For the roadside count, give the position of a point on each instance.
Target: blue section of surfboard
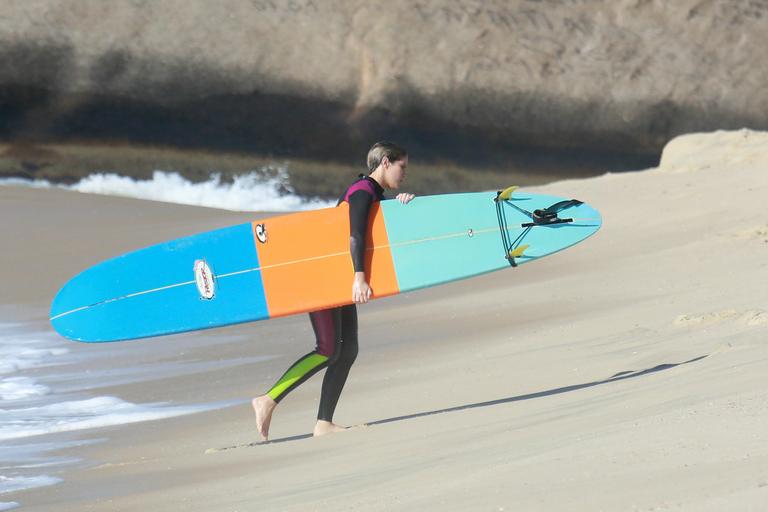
(155, 291)
(216, 279)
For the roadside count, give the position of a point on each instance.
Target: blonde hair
(382, 149)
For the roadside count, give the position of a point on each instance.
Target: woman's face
(394, 172)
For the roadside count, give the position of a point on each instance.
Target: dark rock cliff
(486, 82)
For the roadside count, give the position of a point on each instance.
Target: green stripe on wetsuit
(304, 368)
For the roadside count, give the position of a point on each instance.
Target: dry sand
(627, 373)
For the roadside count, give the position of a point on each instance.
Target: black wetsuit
(335, 328)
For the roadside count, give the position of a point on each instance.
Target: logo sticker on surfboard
(204, 279)
(261, 233)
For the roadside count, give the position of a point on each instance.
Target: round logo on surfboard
(261, 233)
(204, 279)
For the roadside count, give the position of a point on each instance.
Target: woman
(336, 328)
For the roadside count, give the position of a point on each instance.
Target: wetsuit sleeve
(359, 209)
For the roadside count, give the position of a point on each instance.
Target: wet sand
(626, 373)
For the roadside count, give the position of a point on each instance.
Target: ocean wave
(37, 404)
(268, 189)
(102, 411)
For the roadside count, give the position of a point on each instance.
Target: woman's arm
(359, 210)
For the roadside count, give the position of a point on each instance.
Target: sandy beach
(626, 373)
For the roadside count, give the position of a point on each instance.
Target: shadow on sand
(519, 398)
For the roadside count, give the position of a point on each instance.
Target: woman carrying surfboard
(336, 329)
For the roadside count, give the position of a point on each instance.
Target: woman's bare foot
(326, 427)
(263, 406)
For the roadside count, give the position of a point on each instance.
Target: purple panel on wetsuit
(360, 185)
(325, 330)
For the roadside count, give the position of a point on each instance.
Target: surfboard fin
(516, 253)
(505, 194)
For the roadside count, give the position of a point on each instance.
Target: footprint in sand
(755, 317)
(752, 317)
(759, 233)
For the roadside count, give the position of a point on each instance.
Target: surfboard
(300, 262)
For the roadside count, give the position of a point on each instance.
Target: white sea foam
(33, 403)
(8, 505)
(19, 352)
(18, 388)
(103, 411)
(14, 358)
(17, 483)
(265, 190)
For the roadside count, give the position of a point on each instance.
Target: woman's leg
(339, 366)
(327, 325)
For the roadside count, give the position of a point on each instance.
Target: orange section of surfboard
(305, 260)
